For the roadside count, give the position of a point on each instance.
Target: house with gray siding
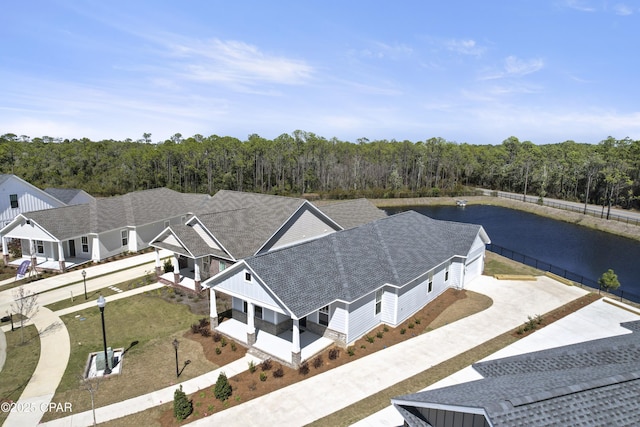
(234, 225)
(593, 383)
(57, 238)
(343, 285)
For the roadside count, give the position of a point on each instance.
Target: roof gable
(350, 264)
(352, 213)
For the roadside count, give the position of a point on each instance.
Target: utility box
(100, 362)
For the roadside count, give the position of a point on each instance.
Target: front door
(72, 248)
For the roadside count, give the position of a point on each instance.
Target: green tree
(182, 406)
(609, 281)
(222, 389)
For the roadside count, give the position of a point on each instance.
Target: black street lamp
(101, 304)
(84, 280)
(176, 343)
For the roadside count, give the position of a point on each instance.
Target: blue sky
(467, 71)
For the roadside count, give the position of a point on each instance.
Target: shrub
(369, 339)
(234, 347)
(168, 266)
(204, 322)
(266, 365)
(385, 328)
(334, 353)
(195, 328)
(317, 362)
(218, 351)
(278, 373)
(402, 331)
(205, 332)
(217, 336)
(263, 376)
(411, 325)
(417, 321)
(223, 342)
(252, 367)
(182, 406)
(304, 369)
(351, 350)
(222, 389)
(379, 334)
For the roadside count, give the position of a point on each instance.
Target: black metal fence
(598, 213)
(559, 271)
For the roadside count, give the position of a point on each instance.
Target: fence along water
(559, 271)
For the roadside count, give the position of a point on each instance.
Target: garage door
(473, 269)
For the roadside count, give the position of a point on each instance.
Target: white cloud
(516, 66)
(380, 50)
(622, 9)
(465, 47)
(581, 5)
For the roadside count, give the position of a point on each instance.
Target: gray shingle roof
(196, 246)
(355, 262)
(352, 213)
(110, 213)
(591, 383)
(65, 195)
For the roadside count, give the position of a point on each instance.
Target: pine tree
(182, 406)
(222, 388)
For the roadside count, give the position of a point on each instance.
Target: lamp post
(176, 343)
(84, 280)
(101, 304)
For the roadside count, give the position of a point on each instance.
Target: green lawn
(497, 264)
(145, 324)
(22, 360)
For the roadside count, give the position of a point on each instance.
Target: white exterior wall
(30, 198)
(111, 244)
(339, 317)
(236, 285)
(362, 317)
(306, 227)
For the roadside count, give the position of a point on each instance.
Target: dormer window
(247, 276)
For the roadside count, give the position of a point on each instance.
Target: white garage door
(473, 269)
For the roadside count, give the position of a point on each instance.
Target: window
(430, 285)
(222, 265)
(125, 237)
(247, 276)
(39, 246)
(323, 316)
(378, 301)
(85, 244)
(13, 198)
(257, 312)
(446, 272)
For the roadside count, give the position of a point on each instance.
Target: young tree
(182, 406)
(26, 305)
(222, 389)
(609, 281)
(91, 385)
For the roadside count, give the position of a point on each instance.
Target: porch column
(5, 251)
(196, 275)
(61, 257)
(32, 254)
(213, 309)
(158, 264)
(176, 269)
(251, 325)
(296, 354)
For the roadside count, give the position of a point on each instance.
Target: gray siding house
(54, 239)
(593, 383)
(343, 285)
(234, 225)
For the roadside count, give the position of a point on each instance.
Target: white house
(55, 239)
(234, 225)
(343, 285)
(18, 196)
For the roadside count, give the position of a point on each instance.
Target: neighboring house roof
(65, 195)
(110, 213)
(192, 245)
(352, 263)
(352, 213)
(590, 383)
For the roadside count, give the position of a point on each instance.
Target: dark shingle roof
(355, 262)
(196, 246)
(352, 213)
(590, 383)
(110, 213)
(65, 195)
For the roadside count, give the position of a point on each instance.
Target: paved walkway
(321, 395)
(595, 321)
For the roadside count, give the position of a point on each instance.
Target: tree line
(607, 173)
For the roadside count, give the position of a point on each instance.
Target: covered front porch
(276, 346)
(48, 264)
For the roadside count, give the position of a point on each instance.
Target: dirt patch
(450, 306)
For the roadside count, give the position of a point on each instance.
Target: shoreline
(608, 226)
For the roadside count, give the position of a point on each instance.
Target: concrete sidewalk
(321, 395)
(597, 320)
